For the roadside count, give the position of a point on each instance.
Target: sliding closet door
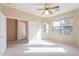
(11, 29)
(21, 30)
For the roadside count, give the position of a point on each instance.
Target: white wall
(34, 29)
(77, 32)
(2, 34)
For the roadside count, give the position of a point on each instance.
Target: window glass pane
(56, 23)
(67, 29)
(46, 27)
(66, 26)
(56, 26)
(66, 22)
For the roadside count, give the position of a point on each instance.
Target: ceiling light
(46, 12)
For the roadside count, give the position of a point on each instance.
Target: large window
(46, 27)
(63, 26)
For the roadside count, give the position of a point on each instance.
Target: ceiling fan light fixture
(49, 9)
(46, 12)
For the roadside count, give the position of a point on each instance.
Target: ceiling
(31, 8)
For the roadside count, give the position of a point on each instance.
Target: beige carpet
(43, 49)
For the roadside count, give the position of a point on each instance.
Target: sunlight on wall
(33, 41)
(40, 40)
(46, 49)
(37, 39)
(39, 34)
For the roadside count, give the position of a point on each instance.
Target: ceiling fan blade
(41, 9)
(54, 7)
(50, 11)
(57, 9)
(43, 13)
(46, 5)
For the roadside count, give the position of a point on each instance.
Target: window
(63, 26)
(46, 27)
(56, 26)
(66, 26)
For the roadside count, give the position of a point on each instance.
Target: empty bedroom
(39, 29)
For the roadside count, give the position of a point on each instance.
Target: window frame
(61, 26)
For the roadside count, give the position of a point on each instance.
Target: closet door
(11, 29)
(21, 30)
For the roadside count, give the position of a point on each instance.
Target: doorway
(17, 32)
(11, 31)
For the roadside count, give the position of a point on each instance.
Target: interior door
(2, 34)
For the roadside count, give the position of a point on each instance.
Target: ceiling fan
(49, 9)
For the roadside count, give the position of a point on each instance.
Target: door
(2, 34)
(21, 30)
(11, 29)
